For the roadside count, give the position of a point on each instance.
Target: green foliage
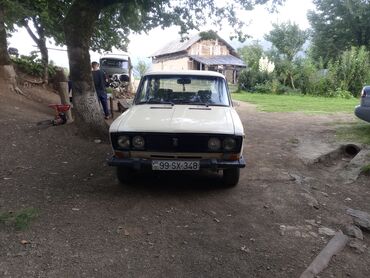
(274, 87)
(20, 219)
(343, 77)
(298, 103)
(287, 38)
(352, 70)
(339, 93)
(312, 78)
(32, 65)
(142, 67)
(249, 79)
(337, 25)
(251, 54)
(209, 35)
(365, 169)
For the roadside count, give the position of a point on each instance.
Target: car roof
(187, 72)
(124, 56)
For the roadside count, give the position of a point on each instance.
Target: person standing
(99, 82)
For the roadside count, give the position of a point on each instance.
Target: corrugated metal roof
(219, 60)
(176, 46)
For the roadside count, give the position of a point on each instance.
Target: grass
(233, 87)
(366, 169)
(20, 219)
(358, 132)
(297, 103)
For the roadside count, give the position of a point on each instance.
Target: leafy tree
(287, 39)
(251, 54)
(352, 70)
(83, 17)
(142, 67)
(44, 15)
(337, 25)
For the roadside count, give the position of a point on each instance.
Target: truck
(118, 70)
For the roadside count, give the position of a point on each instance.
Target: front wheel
(124, 175)
(231, 176)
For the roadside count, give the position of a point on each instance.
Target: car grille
(176, 143)
(179, 143)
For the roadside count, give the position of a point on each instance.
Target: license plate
(175, 165)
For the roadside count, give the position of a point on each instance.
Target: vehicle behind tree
(118, 69)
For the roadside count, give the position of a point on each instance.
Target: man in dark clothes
(99, 82)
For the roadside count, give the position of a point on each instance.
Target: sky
(259, 22)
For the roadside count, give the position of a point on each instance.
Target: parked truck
(118, 69)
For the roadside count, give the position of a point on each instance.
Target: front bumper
(363, 112)
(141, 163)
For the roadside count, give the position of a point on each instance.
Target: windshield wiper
(156, 101)
(196, 103)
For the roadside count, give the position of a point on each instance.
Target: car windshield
(113, 63)
(183, 89)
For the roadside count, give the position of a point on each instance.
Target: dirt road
(179, 225)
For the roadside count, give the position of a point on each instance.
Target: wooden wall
(176, 64)
(209, 48)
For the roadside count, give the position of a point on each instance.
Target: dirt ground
(173, 225)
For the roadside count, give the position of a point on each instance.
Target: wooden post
(111, 107)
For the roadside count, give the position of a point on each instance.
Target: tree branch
(33, 36)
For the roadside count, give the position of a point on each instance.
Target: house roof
(219, 60)
(179, 46)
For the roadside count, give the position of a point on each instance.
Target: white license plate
(175, 165)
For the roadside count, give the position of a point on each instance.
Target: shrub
(248, 79)
(339, 93)
(32, 65)
(352, 70)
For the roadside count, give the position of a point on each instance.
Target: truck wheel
(230, 177)
(124, 175)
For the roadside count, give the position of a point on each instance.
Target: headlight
(138, 142)
(214, 144)
(229, 144)
(123, 142)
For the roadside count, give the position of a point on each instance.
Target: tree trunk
(7, 72)
(45, 61)
(292, 81)
(61, 85)
(78, 28)
(41, 44)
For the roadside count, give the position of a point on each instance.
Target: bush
(352, 70)
(273, 87)
(339, 93)
(32, 65)
(248, 79)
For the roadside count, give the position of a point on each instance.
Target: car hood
(178, 119)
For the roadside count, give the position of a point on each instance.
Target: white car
(179, 121)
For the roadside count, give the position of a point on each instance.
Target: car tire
(230, 177)
(124, 175)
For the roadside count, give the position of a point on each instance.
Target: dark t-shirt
(99, 81)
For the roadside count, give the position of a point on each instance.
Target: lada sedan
(179, 121)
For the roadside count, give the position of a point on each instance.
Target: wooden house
(199, 54)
